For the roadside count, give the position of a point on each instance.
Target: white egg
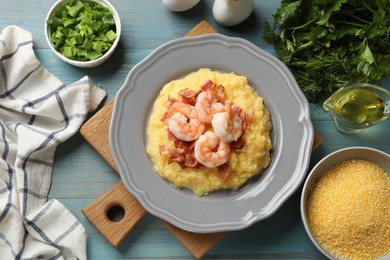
(180, 5)
(232, 12)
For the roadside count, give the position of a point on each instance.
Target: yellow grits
(243, 165)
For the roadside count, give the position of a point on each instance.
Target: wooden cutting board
(95, 131)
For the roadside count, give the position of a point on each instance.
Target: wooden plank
(317, 140)
(201, 28)
(95, 131)
(197, 244)
(115, 231)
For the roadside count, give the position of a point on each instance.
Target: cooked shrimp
(210, 151)
(184, 122)
(227, 125)
(207, 105)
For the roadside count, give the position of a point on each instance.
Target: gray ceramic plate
(292, 134)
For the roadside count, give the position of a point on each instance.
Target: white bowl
(84, 64)
(378, 157)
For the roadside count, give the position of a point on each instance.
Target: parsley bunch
(327, 44)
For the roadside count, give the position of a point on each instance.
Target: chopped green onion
(82, 30)
(108, 19)
(111, 35)
(74, 8)
(94, 55)
(96, 46)
(67, 52)
(87, 45)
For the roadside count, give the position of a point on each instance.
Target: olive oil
(360, 106)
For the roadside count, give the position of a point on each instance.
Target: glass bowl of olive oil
(357, 106)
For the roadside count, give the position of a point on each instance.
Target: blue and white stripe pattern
(37, 112)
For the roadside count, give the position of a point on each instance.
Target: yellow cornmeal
(349, 210)
(243, 165)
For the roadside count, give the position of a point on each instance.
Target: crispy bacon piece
(165, 117)
(239, 145)
(170, 101)
(208, 85)
(168, 104)
(188, 96)
(184, 145)
(184, 157)
(246, 116)
(182, 153)
(176, 155)
(170, 135)
(190, 160)
(237, 110)
(220, 90)
(163, 149)
(223, 172)
(188, 93)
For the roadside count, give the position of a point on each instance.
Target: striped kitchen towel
(37, 112)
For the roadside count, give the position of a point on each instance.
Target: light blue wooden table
(80, 175)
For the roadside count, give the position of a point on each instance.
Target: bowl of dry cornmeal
(345, 204)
